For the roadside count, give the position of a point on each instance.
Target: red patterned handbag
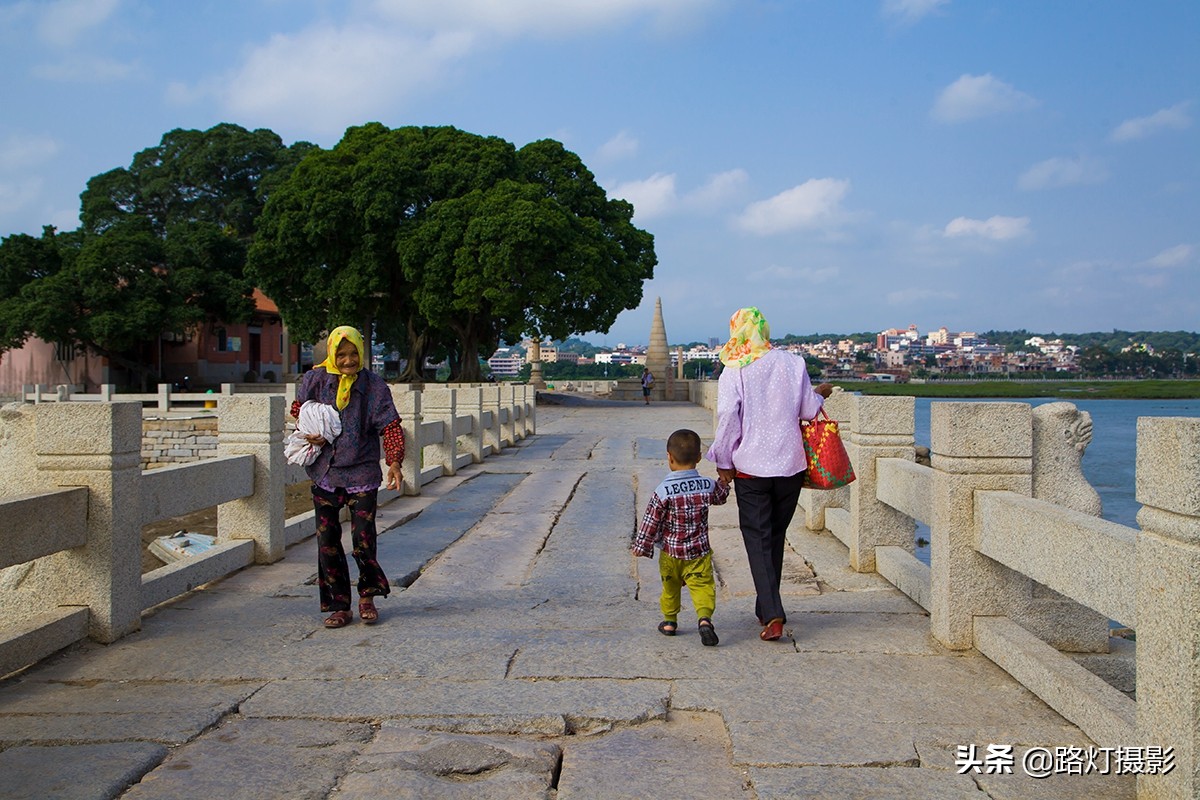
(828, 462)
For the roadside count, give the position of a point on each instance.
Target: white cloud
(1175, 256)
(621, 146)
(995, 228)
(1173, 118)
(26, 151)
(63, 22)
(537, 17)
(651, 197)
(814, 203)
(1057, 172)
(325, 78)
(718, 191)
(911, 10)
(975, 96)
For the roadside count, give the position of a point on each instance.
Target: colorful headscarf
(336, 336)
(749, 338)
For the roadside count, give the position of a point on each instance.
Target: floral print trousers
(333, 572)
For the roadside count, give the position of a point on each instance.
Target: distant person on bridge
(676, 519)
(762, 395)
(647, 382)
(347, 472)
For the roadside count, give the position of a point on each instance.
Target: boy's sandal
(708, 634)
(366, 610)
(667, 627)
(339, 619)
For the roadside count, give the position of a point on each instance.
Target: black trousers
(765, 509)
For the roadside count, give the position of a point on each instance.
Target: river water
(1108, 462)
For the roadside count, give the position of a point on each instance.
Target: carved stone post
(408, 403)
(253, 425)
(98, 445)
(491, 408)
(470, 401)
(974, 446)
(440, 403)
(1168, 600)
(881, 427)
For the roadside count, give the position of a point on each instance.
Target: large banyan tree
(443, 243)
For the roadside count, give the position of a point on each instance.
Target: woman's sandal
(773, 630)
(667, 627)
(339, 619)
(366, 611)
(708, 634)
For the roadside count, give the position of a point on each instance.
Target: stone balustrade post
(253, 425)
(491, 433)
(408, 403)
(879, 427)
(973, 446)
(470, 402)
(441, 404)
(514, 397)
(1168, 600)
(510, 432)
(97, 446)
(529, 394)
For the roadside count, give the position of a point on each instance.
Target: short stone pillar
(529, 398)
(879, 427)
(513, 396)
(97, 445)
(439, 403)
(973, 446)
(470, 403)
(1168, 600)
(535, 363)
(253, 425)
(491, 407)
(408, 404)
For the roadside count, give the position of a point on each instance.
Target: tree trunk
(418, 346)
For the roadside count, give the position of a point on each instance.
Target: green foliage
(450, 242)
(1067, 390)
(162, 247)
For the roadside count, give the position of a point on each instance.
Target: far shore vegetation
(1144, 389)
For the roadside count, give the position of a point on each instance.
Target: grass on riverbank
(1097, 390)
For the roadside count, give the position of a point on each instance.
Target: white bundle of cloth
(315, 418)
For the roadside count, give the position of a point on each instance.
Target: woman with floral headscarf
(762, 395)
(346, 472)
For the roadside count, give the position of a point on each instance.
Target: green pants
(697, 575)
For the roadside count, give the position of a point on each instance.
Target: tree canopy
(161, 248)
(445, 242)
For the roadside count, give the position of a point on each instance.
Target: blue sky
(845, 165)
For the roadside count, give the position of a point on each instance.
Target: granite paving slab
(687, 755)
(586, 705)
(76, 772)
(863, 783)
(402, 762)
(252, 759)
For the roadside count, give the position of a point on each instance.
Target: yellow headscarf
(749, 338)
(330, 363)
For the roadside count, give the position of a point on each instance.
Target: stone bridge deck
(522, 661)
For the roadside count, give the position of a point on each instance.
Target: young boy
(677, 519)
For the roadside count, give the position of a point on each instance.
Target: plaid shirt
(677, 516)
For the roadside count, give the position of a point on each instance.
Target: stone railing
(1024, 580)
(77, 500)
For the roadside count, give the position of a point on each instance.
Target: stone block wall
(178, 441)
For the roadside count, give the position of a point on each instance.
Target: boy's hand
(726, 476)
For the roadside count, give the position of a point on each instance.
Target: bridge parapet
(76, 499)
(1024, 580)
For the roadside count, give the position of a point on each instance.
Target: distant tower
(658, 358)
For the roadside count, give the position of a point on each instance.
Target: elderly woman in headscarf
(347, 473)
(762, 395)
